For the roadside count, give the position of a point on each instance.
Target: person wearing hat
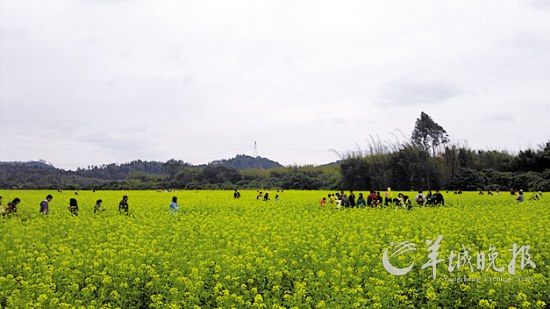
(520, 197)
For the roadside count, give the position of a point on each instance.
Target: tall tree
(428, 135)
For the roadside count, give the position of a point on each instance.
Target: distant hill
(28, 165)
(42, 175)
(33, 174)
(243, 162)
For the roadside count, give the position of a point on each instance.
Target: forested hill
(136, 174)
(243, 162)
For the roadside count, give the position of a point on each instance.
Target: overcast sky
(90, 82)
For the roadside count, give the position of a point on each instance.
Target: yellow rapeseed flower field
(221, 252)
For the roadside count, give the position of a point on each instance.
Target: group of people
(11, 208)
(338, 200)
(375, 199)
(430, 199)
(264, 196)
(72, 208)
(521, 197)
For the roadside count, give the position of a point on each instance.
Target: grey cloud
(501, 118)
(541, 4)
(417, 89)
(533, 42)
(119, 145)
(14, 32)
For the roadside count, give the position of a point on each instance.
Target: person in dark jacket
(123, 205)
(73, 206)
(438, 199)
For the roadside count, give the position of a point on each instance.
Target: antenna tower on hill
(255, 150)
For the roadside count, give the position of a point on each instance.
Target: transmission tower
(255, 150)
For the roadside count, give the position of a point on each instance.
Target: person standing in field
(123, 205)
(236, 194)
(73, 206)
(387, 197)
(97, 207)
(174, 205)
(45, 205)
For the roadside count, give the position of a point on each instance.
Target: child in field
(174, 205)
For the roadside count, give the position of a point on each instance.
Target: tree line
(410, 168)
(425, 161)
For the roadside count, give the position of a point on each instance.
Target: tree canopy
(428, 135)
